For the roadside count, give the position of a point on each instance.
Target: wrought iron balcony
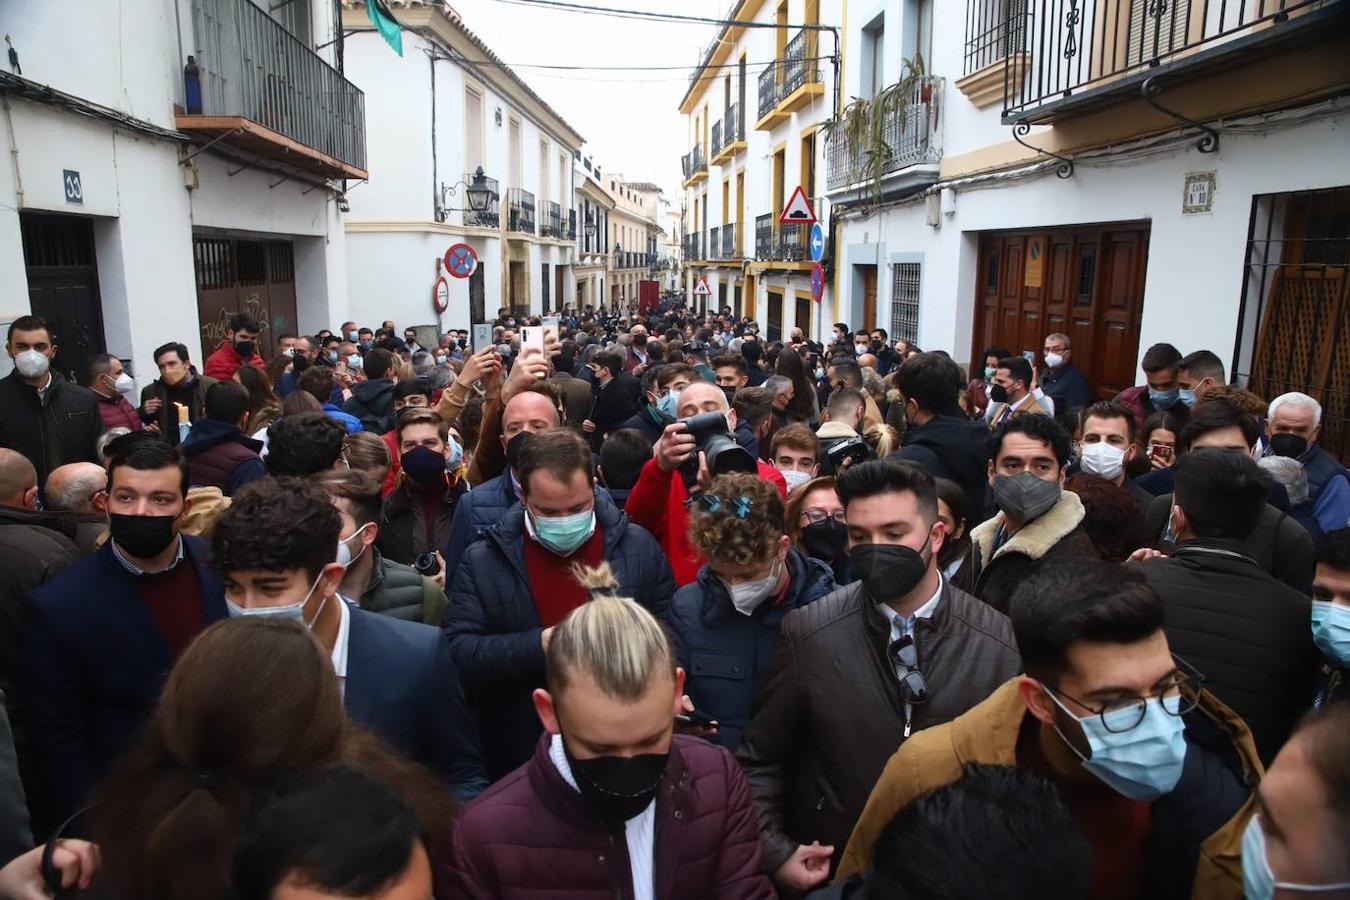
(653, 261)
(571, 224)
(799, 64)
(764, 237)
(265, 91)
(552, 225)
(693, 162)
(733, 126)
(731, 248)
(520, 216)
(910, 132)
(768, 89)
(693, 246)
(774, 241)
(716, 141)
(1085, 52)
(714, 243)
(490, 217)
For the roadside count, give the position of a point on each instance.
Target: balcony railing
(653, 261)
(768, 89)
(780, 242)
(716, 143)
(714, 243)
(733, 126)
(912, 135)
(552, 225)
(1077, 46)
(799, 64)
(520, 211)
(693, 246)
(730, 245)
(253, 68)
(571, 224)
(693, 162)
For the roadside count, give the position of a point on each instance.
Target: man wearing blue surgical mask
(1160, 389)
(518, 581)
(1140, 752)
(1331, 616)
(661, 387)
(418, 513)
(276, 549)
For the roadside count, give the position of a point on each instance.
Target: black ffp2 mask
(142, 536)
(617, 788)
(888, 570)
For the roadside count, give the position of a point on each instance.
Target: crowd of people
(663, 608)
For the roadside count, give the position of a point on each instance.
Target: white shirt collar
(343, 638)
(923, 612)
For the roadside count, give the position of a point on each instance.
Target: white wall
(1193, 281)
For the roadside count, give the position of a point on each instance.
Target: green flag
(386, 25)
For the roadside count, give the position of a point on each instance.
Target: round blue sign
(817, 243)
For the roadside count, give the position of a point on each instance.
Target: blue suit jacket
(94, 664)
(402, 685)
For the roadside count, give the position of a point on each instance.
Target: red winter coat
(118, 413)
(222, 364)
(657, 504)
(527, 837)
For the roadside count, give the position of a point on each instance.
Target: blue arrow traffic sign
(817, 242)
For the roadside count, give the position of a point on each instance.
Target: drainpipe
(14, 155)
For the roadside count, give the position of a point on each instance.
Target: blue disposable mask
(1187, 397)
(333, 357)
(1331, 630)
(456, 454)
(353, 336)
(1258, 881)
(563, 534)
(354, 361)
(667, 404)
(293, 611)
(1143, 763)
(989, 373)
(1166, 399)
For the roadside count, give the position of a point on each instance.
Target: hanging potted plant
(862, 123)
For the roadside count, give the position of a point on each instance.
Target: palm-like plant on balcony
(862, 124)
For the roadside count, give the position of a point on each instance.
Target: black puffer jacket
(62, 427)
(493, 624)
(952, 448)
(373, 403)
(1246, 632)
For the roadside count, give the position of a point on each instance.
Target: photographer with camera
(417, 516)
(698, 446)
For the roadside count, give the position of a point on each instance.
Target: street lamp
(479, 192)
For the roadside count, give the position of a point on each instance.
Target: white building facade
(135, 211)
(594, 205)
(1154, 192)
(445, 109)
(755, 110)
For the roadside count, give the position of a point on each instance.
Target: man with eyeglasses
(1157, 773)
(1240, 625)
(863, 668)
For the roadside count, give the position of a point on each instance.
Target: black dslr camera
(718, 445)
(852, 450)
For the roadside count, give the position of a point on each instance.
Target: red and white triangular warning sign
(701, 287)
(798, 209)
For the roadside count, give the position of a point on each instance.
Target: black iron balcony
(733, 126)
(520, 216)
(792, 242)
(265, 91)
(730, 243)
(714, 243)
(716, 141)
(768, 89)
(571, 224)
(693, 246)
(1082, 52)
(552, 224)
(799, 64)
(693, 162)
(764, 237)
(653, 261)
(491, 216)
(911, 134)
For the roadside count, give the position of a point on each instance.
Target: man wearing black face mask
(238, 349)
(615, 802)
(103, 634)
(861, 669)
(1038, 521)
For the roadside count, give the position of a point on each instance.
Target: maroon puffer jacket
(527, 837)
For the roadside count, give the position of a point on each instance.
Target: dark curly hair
(1040, 428)
(723, 537)
(303, 444)
(1111, 520)
(277, 525)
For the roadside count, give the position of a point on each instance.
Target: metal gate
(1295, 333)
(256, 277)
(58, 253)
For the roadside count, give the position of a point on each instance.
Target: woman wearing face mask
(1295, 844)
(982, 379)
(726, 622)
(814, 520)
(1159, 441)
(249, 701)
(804, 406)
(954, 513)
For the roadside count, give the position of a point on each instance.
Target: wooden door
(802, 319)
(1087, 283)
(58, 253)
(869, 316)
(774, 331)
(256, 277)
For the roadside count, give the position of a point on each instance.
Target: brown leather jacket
(831, 712)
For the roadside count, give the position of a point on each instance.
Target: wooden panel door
(869, 286)
(1120, 300)
(775, 318)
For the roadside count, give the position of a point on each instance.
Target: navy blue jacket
(1067, 387)
(480, 509)
(725, 654)
(94, 664)
(493, 624)
(403, 685)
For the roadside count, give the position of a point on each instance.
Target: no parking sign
(460, 260)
